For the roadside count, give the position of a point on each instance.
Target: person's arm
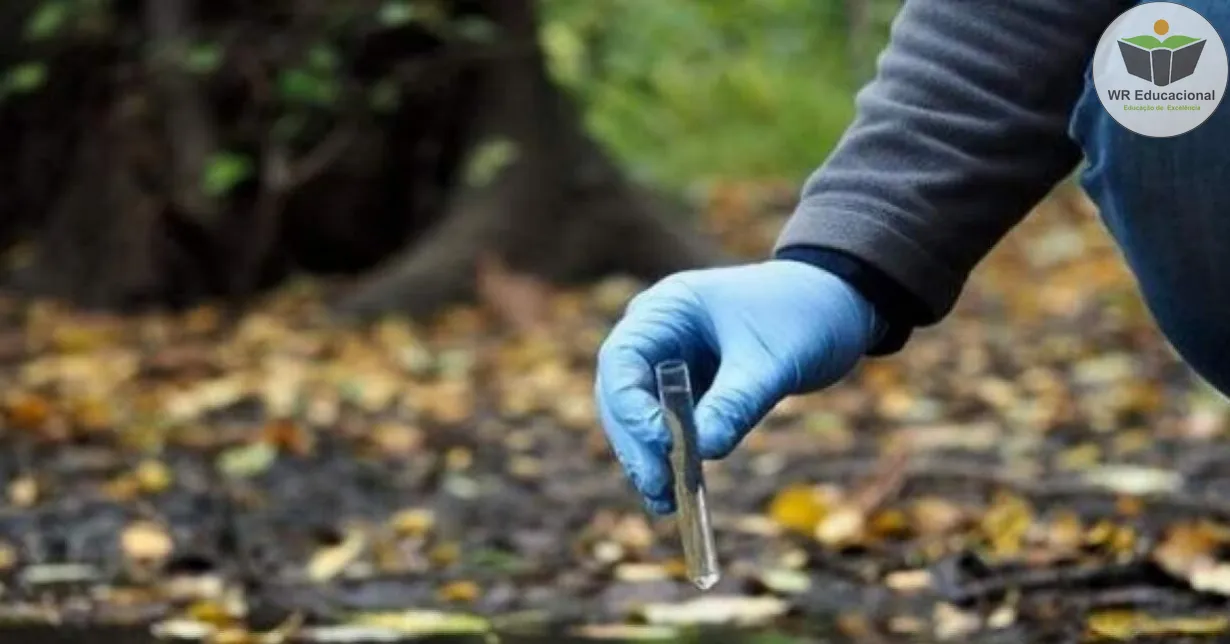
(961, 133)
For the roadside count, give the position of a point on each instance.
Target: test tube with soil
(695, 529)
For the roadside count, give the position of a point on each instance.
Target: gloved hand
(751, 336)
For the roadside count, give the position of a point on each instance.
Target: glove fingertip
(660, 507)
(716, 436)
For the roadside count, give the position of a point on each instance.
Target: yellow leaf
(459, 591)
(329, 562)
(444, 554)
(1005, 524)
(413, 522)
(1124, 625)
(891, 524)
(210, 612)
(800, 507)
(152, 476)
(146, 542)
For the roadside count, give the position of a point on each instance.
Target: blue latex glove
(751, 336)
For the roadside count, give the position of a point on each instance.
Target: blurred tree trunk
(538, 192)
(481, 156)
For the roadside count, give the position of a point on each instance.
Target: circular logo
(1160, 69)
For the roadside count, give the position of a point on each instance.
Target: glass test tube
(695, 530)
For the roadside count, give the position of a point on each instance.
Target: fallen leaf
(423, 622)
(1005, 524)
(459, 591)
(801, 507)
(1188, 547)
(908, 581)
(152, 476)
(953, 623)
(396, 439)
(784, 581)
(625, 632)
(288, 436)
(183, 629)
(641, 572)
(50, 574)
(23, 491)
(248, 460)
(444, 554)
(1213, 578)
(1134, 479)
(933, 516)
(413, 522)
(27, 411)
(717, 609)
(9, 556)
(1124, 625)
(844, 525)
(330, 561)
(146, 542)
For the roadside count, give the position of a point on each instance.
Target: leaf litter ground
(1038, 468)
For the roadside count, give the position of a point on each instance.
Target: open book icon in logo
(1158, 61)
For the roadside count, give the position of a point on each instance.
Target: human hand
(751, 336)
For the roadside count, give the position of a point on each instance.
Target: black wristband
(899, 310)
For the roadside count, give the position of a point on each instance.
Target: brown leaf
(288, 436)
(27, 411)
(1188, 547)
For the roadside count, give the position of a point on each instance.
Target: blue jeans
(1167, 204)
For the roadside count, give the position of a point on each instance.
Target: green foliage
(691, 89)
(303, 86)
(204, 58)
(24, 78)
(487, 160)
(395, 13)
(224, 171)
(47, 20)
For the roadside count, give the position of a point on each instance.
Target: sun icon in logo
(1161, 27)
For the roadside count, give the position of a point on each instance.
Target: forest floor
(1038, 468)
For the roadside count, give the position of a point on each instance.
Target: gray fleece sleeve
(962, 131)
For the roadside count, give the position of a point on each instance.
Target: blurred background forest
(301, 299)
(168, 152)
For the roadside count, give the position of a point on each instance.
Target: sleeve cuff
(898, 310)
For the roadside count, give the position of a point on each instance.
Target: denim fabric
(1167, 203)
